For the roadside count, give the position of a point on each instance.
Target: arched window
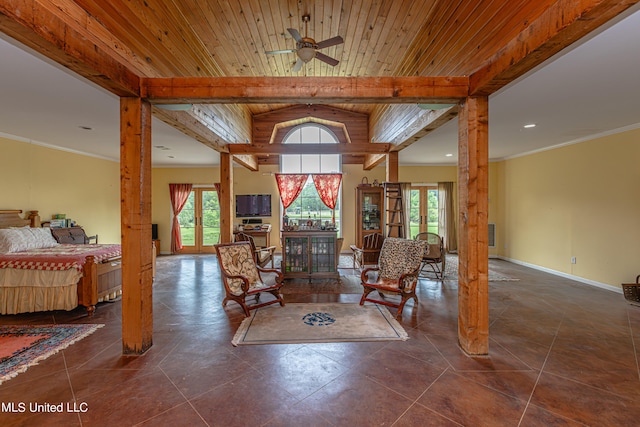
(308, 205)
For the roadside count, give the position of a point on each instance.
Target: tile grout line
(546, 358)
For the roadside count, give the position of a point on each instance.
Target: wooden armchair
(369, 252)
(262, 255)
(434, 259)
(243, 278)
(397, 273)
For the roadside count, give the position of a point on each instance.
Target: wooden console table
(261, 236)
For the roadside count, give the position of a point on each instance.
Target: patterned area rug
(318, 323)
(451, 271)
(25, 346)
(346, 261)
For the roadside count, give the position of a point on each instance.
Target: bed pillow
(24, 239)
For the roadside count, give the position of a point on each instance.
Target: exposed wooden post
(392, 166)
(226, 197)
(135, 214)
(473, 252)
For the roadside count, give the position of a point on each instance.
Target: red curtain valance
(328, 186)
(290, 186)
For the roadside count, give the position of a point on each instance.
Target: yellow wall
(578, 201)
(86, 189)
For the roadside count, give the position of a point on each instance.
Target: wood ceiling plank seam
(343, 24)
(217, 14)
(234, 22)
(255, 27)
(316, 33)
(360, 52)
(105, 35)
(194, 42)
(453, 32)
(334, 29)
(472, 33)
(424, 39)
(514, 25)
(366, 45)
(282, 17)
(502, 28)
(193, 127)
(403, 118)
(357, 34)
(379, 56)
(417, 124)
(222, 122)
(404, 30)
(219, 50)
(348, 32)
(150, 28)
(272, 38)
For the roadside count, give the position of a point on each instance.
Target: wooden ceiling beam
(277, 149)
(557, 27)
(305, 90)
(67, 35)
(373, 160)
(249, 161)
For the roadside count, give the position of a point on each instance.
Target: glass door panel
(424, 210)
(200, 221)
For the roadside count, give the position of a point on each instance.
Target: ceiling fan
(307, 48)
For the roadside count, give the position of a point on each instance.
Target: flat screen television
(252, 205)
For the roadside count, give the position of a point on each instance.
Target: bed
(39, 274)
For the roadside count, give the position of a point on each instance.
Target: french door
(424, 210)
(200, 221)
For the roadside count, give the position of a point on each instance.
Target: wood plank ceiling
(397, 38)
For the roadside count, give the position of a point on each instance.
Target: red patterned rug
(24, 346)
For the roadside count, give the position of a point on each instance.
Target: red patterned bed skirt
(62, 257)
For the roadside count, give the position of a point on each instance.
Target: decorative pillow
(24, 239)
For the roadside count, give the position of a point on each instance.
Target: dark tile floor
(561, 353)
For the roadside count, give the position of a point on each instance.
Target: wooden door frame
(198, 247)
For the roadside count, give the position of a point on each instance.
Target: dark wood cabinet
(309, 254)
(369, 212)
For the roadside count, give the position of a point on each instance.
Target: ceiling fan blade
(295, 34)
(298, 66)
(324, 58)
(273, 52)
(330, 42)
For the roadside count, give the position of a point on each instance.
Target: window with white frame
(308, 205)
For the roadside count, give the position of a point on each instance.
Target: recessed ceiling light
(448, 155)
(529, 126)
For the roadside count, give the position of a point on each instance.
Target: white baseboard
(565, 275)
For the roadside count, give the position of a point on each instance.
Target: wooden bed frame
(100, 281)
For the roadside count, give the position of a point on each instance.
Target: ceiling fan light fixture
(306, 53)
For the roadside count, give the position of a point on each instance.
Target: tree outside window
(309, 205)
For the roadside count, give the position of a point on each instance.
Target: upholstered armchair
(243, 278)
(396, 274)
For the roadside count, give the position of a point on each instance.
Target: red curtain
(179, 193)
(290, 186)
(328, 186)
